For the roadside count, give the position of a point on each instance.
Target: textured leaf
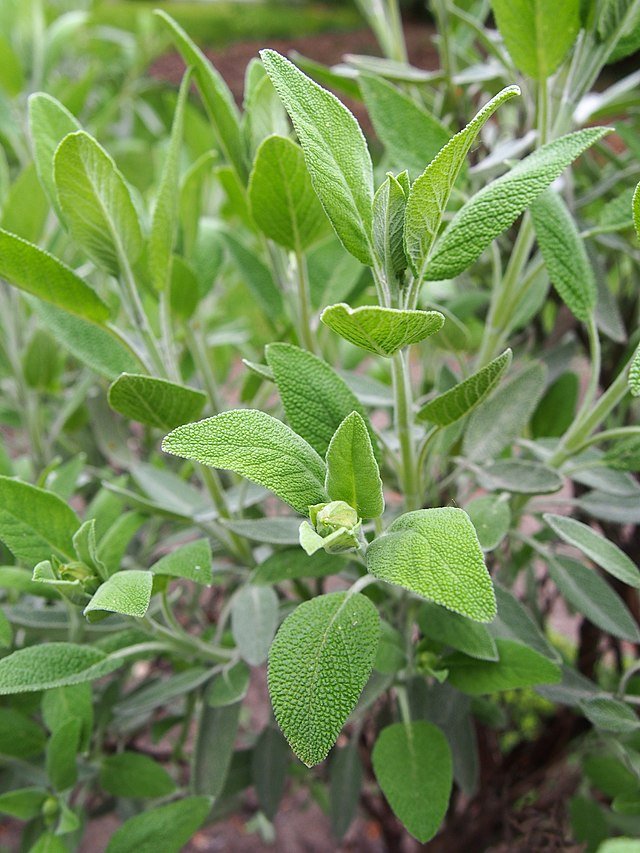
(230, 686)
(436, 554)
(293, 564)
(389, 205)
(413, 765)
(610, 715)
(431, 191)
(49, 122)
(491, 517)
(256, 275)
(352, 470)
(593, 597)
(275, 531)
(124, 592)
(635, 209)
(345, 782)
(497, 206)
(502, 418)
(454, 404)
(34, 523)
(52, 665)
(564, 254)
(283, 202)
(537, 33)
(96, 202)
(269, 765)
(35, 271)
(319, 662)
(167, 828)
(518, 666)
(514, 622)
(634, 375)
(155, 402)
(132, 774)
(218, 101)
(519, 476)
(191, 561)
(382, 331)
(454, 630)
(411, 135)
(254, 620)
(335, 151)
(258, 447)
(607, 555)
(213, 749)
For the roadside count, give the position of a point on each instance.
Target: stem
(197, 349)
(607, 435)
(240, 546)
(404, 427)
(140, 318)
(167, 337)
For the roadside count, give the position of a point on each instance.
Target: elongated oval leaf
(607, 555)
(463, 398)
(49, 122)
(389, 206)
(518, 666)
(192, 561)
(497, 206)
(258, 447)
(254, 619)
(96, 202)
(382, 331)
(519, 476)
(156, 402)
(319, 662)
(42, 667)
(167, 828)
(293, 564)
(35, 271)
(352, 470)
(126, 592)
(491, 517)
(283, 202)
(436, 554)
(132, 774)
(454, 630)
(345, 781)
(335, 151)
(414, 768)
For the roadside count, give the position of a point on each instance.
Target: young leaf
(96, 202)
(607, 555)
(491, 517)
(191, 561)
(49, 122)
(389, 205)
(352, 470)
(283, 202)
(53, 665)
(537, 33)
(35, 271)
(335, 151)
(132, 774)
(449, 407)
(34, 523)
(436, 554)
(382, 331)
(216, 96)
(124, 592)
(254, 620)
(258, 447)
(518, 666)
(155, 402)
(413, 765)
(316, 400)
(454, 630)
(564, 254)
(167, 828)
(319, 662)
(497, 206)
(431, 191)
(62, 749)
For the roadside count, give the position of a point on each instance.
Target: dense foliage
(371, 421)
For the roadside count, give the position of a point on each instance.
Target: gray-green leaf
(49, 122)
(352, 470)
(127, 592)
(491, 517)
(254, 619)
(167, 828)
(53, 665)
(191, 561)
(155, 402)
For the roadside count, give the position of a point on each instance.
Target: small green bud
(335, 526)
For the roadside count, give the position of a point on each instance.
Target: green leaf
(35, 271)
(518, 666)
(23, 803)
(635, 208)
(221, 108)
(52, 665)
(49, 843)
(491, 517)
(624, 454)
(411, 135)
(293, 564)
(126, 592)
(556, 411)
(96, 202)
(454, 630)
(213, 749)
(131, 774)
(634, 375)
(254, 620)
(114, 543)
(155, 402)
(35, 523)
(269, 765)
(60, 704)
(167, 828)
(413, 765)
(610, 715)
(352, 470)
(49, 122)
(389, 205)
(382, 331)
(256, 275)
(565, 255)
(164, 222)
(335, 151)
(191, 561)
(607, 555)
(230, 686)
(258, 447)
(537, 33)
(514, 622)
(319, 662)
(316, 400)
(345, 782)
(62, 749)
(283, 202)
(431, 191)
(6, 632)
(497, 206)
(519, 476)
(502, 418)
(20, 736)
(593, 597)
(463, 398)
(436, 554)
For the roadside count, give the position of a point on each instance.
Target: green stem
(240, 546)
(404, 428)
(607, 435)
(167, 337)
(140, 318)
(199, 355)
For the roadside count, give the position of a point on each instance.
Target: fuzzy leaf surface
(518, 666)
(352, 471)
(49, 122)
(254, 619)
(191, 561)
(379, 330)
(155, 402)
(127, 592)
(52, 665)
(167, 828)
